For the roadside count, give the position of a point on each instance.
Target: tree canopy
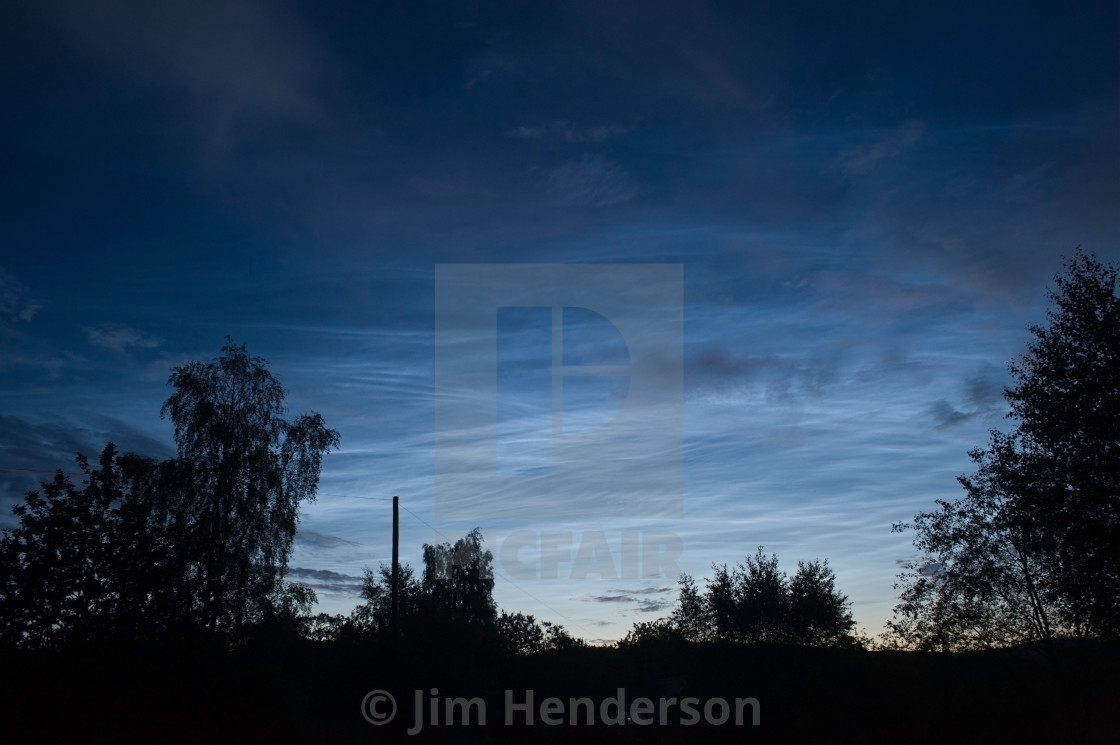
(68, 568)
(201, 540)
(1032, 550)
(245, 470)
(755, 601)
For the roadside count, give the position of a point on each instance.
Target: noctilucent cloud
(865, 206)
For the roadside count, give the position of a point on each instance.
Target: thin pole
(396, 566)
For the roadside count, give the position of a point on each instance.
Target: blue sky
(866, 205)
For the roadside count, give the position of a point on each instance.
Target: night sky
(866, 204)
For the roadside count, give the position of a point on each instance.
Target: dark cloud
(638, 599)
(934, 569)
(321, 575)
(44, 446)
(781, 377)
(229, 60)
(641, 605)
(326, 581)
(944, 415)
(313, 539)
(647, 591)
(984, 390)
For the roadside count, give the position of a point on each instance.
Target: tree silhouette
(458, 582)
(144, 547)
(760, 596)
(692, 617)
(520, 634)
(54, 584)
(245, 470)
(1032, 551)
(1067, 400)
(375, 615)
(94, 560)
(453, 596)
(451, 606)
(756, 602)
(818, 614)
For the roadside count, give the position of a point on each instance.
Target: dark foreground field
(299, 691)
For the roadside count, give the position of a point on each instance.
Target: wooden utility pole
(396, 566)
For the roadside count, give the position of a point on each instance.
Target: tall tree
(458, 581)
(762, 595)
(691, 617)
(1066, 398)
(244, 470)
(1032, 550)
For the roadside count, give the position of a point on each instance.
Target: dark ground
(298, 691)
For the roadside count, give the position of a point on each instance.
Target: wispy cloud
(119, 338)
(562, 129)
(489, 65)
(864, 158)
(591, 181)
(15, 300)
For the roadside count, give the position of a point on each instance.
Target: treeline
(146, 550)
(200, 543)
(197, 546)
(753, 602)
(452, 601)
